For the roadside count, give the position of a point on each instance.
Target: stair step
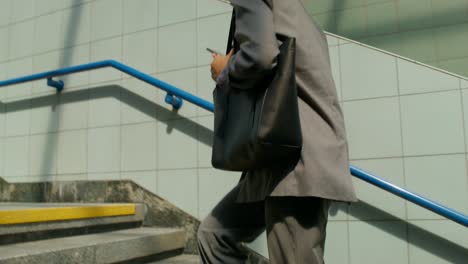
(24, 213)
(22, 222)
(110, 247)
(182, 259)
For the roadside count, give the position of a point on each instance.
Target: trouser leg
(296, 229)
(229, 224)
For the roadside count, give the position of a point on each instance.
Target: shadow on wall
(65, 60)
(414, 235)
(201, 133)
(429, 34)
(334, 23)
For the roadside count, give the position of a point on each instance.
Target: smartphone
(213, 51)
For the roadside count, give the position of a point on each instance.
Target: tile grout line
(400, 112)
(464, 131)
(122, 46)
(4, 108)
(401, 95)
(157, 66)
(348, 227)
(197, 146)
(88, 75)
(30, 124)
(411, 156)
(88, 101)
(340, 77)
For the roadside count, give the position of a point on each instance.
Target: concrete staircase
(86, 233)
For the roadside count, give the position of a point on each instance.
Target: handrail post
(56, 84)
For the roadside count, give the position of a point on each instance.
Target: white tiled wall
(104, 149)
(432, 123)
(186, 195)
(361, 78)
(383, 242)
(43, 154)
(21, 39)
(176, 11)
(4, 32)
(48, 32)
(138, 146)
(177, 46)
(106, 19)
(405, 122)
(139, 50)
(416, 79)
(383, 137)
(464, 84)
(140, 16)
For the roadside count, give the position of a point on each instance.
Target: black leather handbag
(258, 128)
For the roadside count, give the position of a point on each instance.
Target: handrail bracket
(173, 100)
(59, 84)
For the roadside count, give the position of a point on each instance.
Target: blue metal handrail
(175, 97)
(411, 196)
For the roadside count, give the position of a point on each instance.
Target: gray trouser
(295, 229)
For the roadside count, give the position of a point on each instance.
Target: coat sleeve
(258, 46)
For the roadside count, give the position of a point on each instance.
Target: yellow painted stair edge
(35, 215)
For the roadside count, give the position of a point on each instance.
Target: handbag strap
(232, 42)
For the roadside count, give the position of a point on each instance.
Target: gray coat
(323, 168)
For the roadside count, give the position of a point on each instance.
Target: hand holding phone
(219, 63)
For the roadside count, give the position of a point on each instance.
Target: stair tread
(49, 222)
(23, 213)
(182, 259)
(111, 246)
(19, 205)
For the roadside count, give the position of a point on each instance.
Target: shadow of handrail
(130, 98)
(415, 235)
